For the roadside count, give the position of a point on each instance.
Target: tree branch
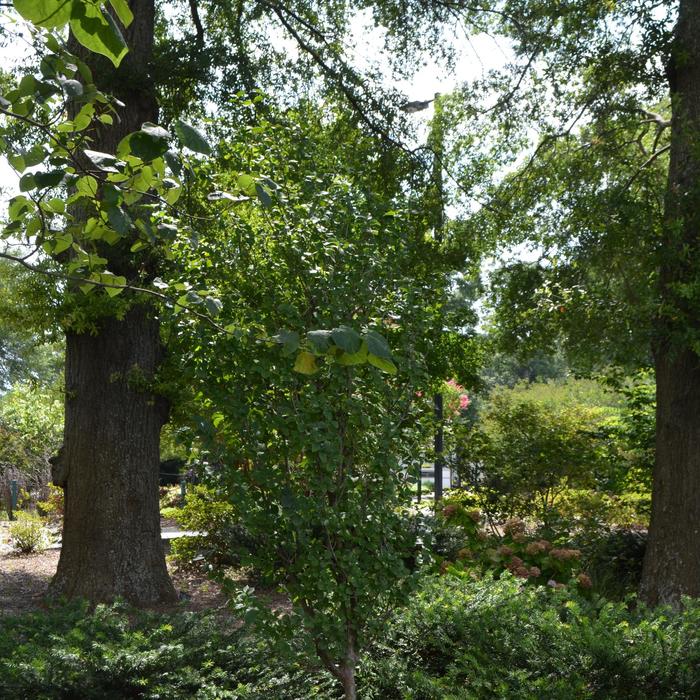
(194, 11)
(645, 164)
(109, 285)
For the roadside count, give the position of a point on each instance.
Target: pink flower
(584, 581)
(463, 401)
(535, 571)
(565, 554)
(449, 510)
(534, 548)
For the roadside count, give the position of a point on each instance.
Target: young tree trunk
(349, 686)
(108, 465)
(672, 561)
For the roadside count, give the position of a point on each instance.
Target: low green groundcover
(459, 638)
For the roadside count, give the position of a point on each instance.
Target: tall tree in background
(617, 276)
(672, 561)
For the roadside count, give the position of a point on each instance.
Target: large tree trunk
(108, 465)
(111, 534)
(672, 561)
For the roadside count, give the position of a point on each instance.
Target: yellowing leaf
(306, 363)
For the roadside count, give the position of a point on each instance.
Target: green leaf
(53, 178)
(172, 190)
(305, 363)
(27, 183)
(149, 143)
(58, 206)
(84, 118)
(123, 11)
(173, 161)
(97, 31)
(347, 339)
(34, 225)
(377, 345)
(320, 340)
(27, 86)
(33, 181)
(193, 298)
(102, 161)
(119, 220)
(192, 138)
(289, 341)
(263, 195)
(87, 186)
(34, 156)
(72, 88)
(45, 13)
(18, 206)
(357, 358)
(246, 183)
(16, 161)
(213, 305)
(382, 363)
(63, 242)
(109, 278)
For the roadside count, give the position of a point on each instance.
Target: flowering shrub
(511, 548)
(455, 397)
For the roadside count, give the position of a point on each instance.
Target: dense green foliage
(31, 425)
(457, 639)
(530, 445)
(335, 268)
(462, 639)
(112, 653)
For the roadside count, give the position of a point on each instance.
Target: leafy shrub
(170, 497)
(465, 639)
(224, 539)
(586, 510)
(513, 548)
(524, 452)
(613, 560)
(28, 533)
(53, 506)
(114, 652)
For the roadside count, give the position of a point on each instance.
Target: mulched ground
(24, 580)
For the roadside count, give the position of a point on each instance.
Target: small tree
(523, 452)
(312, 435)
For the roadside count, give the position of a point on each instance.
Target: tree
(117, 231)
(596, 79)
(672, 560)
(106, 384)
(313, 456)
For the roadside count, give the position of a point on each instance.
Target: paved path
(166, 534)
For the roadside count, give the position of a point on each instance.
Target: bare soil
(25, 578)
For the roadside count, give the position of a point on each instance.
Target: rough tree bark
(672, 561)
(108, 465)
